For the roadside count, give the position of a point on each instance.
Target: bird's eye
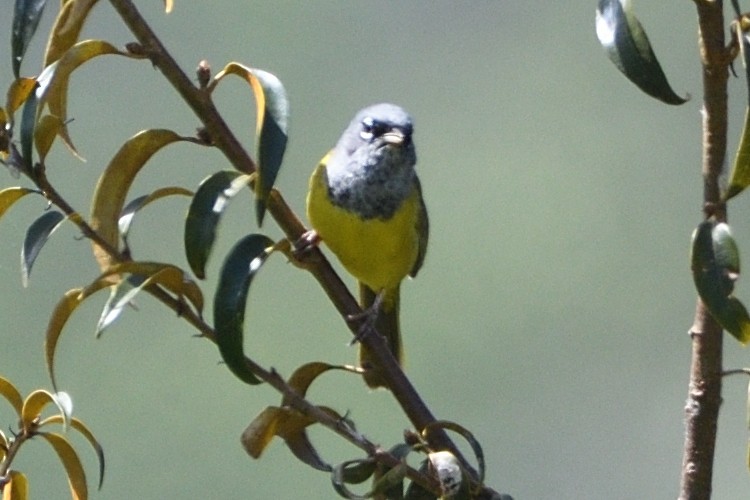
(372, 128)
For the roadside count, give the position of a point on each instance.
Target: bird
(365, 203)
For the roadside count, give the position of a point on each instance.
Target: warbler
(365, 203)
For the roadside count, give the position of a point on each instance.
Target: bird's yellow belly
(379, 253)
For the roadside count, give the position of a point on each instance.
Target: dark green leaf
(628, 47)
(339, 476)
(715, 266)
(129, 211)
(26, 17)
(28, 124)
(237, 273)
(272, 137)
(36, 237)
(204, 215)
(416, 491)
(271, 126)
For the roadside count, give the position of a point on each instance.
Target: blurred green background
(550, 317)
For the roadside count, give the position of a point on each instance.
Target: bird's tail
(387, 324)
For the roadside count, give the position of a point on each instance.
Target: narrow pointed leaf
(36, 237)
(26, 16)
(17, 488)
(240, 267)
(305, 375)
(55, 78)
(715, 266)
(28, 125)
(11, 395)
(628, 47)
(271, 127)
(740, 177)
(71, 462)
(59, 317)
(115, 182)
(120, 296)
(9, 196)
(170, 277)
(84, 430)
(47, 129)
(128, 213)
(203, 217)
(67, 28)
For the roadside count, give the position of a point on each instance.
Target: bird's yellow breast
(380, 253)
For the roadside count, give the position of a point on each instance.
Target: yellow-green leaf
(9, 196)
(46, 130)
(67, 28)
(84, 430)
(740, 176)
(261, 431)
(271, 127)
(18, 92)
(71, 462)
(57, 320)
(55, 78)
(305, 375)
(17, 488)
(12, 395)
(114, 183)
(35, 403)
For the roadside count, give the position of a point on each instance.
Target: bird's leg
(309, 240)
(366, 318)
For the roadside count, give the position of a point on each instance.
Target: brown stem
(704, 392)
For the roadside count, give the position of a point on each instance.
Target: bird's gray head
(371, 169)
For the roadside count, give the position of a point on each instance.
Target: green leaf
(128, 213)
(740, 177)
(47, 129)
(120, 296)
(271, 127)
(240, 267)
(28, 126)
(18, 92)
(628, 47)
(71, 463)
(715, 266)
(26, 16)
(36, 237)
(203, 217)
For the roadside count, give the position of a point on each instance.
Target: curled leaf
(467, 435)
(240, 267)
(203, 217)
(35, 403)
(628, 47)
(11, 395)
(271, 127)
(85, 432)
